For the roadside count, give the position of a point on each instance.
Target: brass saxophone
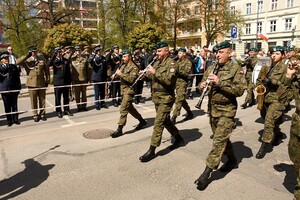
(261, 89)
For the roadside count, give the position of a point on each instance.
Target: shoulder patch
(172, 70)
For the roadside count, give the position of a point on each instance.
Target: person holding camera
(38, 78)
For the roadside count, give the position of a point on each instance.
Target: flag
(263, 36)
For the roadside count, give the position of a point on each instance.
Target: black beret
(162, 44)
(278, 48)
(182, 49)
(253, 49)
(221, 45)
(126, 51)
(32, 48)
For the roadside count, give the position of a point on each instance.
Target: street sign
(233, 31)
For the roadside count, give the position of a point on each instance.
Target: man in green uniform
(184, 68)
(38, 77)
(250, 64)
(163, 75)
(127, 73)
(272, 109)
(80, 78)
(227, 83)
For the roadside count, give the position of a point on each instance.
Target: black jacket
(9, 77)
(99, 68)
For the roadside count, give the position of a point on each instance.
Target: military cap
(4, 55)
(162, 44)
(182, 49)
(97, 48)
(32, 48)
(278, 48)
(77, 48)
(222, 45)
(126, 51)
(253, 49)
(115, 47)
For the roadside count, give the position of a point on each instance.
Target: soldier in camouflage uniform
(163, 74)
(227, 83)
(184, 68)
(250, 64)
(128, 73)
(272, 109)
(291, 88)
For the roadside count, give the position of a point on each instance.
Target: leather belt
(220, 102)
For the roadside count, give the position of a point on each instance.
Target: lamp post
(257, 25)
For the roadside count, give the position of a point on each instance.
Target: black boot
(188, 116)
(141, 124)
(262, 151)
(229, 165)
(173, 119)
(202, 182)
(244, 105)
(178, 142)
(16, 120)
(118, 132)
(149, 155)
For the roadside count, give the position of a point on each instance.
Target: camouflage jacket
(128, 76)
(184, 68)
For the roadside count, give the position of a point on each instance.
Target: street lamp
(257, 25)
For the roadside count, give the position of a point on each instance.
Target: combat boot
(118, 132)
(188, 116)
(178, 142)
(229, 165)
(16, 119)
(173, 119)
(244, 105)
(262, 151)
(141, 124)
(149, 155)
(202, 182)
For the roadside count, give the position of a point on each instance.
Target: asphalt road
(52, 159)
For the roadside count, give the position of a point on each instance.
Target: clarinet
(143, 72)
(208, 83)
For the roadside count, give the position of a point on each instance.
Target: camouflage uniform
(272, 108)
(128, 76)
(163, 97)
(223, 106)
(250, 87)
(184, 68)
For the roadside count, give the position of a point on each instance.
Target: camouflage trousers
(294, 151)
(250, 87)
(127, 107)
(162, 120)
(274, 112)
(181, 102)
(222, 128)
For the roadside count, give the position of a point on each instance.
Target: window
(248, 28)
(232, 10)
(272, 26)
(258, 45)
(289, 3)
(274, 5)
(259, 6)
(288, 24)
(259, 27)
(248, 8)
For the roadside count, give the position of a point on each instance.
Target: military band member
(227, 83)
(9, 80)
(38, 78)
(250, 63)
(139, 61)
(272, 109)
(184, 68)
(127, 73)
(80, 78)
(163, 74)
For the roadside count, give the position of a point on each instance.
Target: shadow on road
(290, 176)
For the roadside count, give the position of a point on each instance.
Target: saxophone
(261, 89)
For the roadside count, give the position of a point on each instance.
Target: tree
(145, 36)
(67, 35)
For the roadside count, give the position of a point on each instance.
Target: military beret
(253, 49)
(222, 45)
(115, 47)
(162, 44)
(4, 55)
(126, 51)
(32, 48)
(182, 49)
(77, 48)
(278, 48)
(97, 48)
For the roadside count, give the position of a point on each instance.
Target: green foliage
(145, 36)
(67, 35)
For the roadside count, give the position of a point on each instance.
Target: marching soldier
(10, 80)
(38, 78)
(163, 74)
(80, 78)
(139, 61)
(127, 73)
(272, 109)
(250, 64)
(227, 84)
(184, 68)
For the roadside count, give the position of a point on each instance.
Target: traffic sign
(233, 31)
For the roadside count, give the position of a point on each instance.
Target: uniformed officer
(80, 78)
(272, 109)
(227, 83)
(62, 80)
(184, 68)
(127, 73)
(163, 74)
(291, 87)
(38, 78)
(10, 84)
(250, 63)
(99, 76)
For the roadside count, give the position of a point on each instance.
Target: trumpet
(208, 83)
